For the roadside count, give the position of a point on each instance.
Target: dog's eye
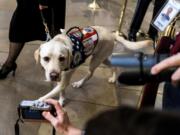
(46, 59)
(61, 59)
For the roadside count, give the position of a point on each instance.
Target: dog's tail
(133, 45)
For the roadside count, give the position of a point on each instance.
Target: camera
(138, 68)
(32, 110)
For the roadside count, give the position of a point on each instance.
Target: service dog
(65, 52)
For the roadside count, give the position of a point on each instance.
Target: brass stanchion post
(122, 17)
(94, 5)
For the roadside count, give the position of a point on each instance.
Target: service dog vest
(84, 41)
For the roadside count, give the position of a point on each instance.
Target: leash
(48, 36)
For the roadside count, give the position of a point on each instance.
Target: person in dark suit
(27, 25)
(140, 11)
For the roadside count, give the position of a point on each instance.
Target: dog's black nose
(54, 76)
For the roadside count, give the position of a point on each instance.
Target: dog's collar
(84, 41)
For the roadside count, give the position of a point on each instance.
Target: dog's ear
(37, 55)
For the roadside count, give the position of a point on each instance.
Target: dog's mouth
(55, 79)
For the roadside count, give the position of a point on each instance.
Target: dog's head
(55, 56)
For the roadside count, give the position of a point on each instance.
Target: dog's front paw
(112, 79)
(41, 99)
(62, 102)
(77, 84)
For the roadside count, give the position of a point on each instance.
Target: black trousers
(26, 23)
(54, 15)
(140, 11)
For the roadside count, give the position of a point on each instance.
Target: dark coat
(26, 23)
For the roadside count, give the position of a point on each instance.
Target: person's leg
(59, 14)
(10, 65)
(14, 51)
(157, 6)
(138, 17)
(54, 15)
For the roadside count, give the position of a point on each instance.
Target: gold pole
(140, 99)
(94, 5)
(170, 31)
(122, 17)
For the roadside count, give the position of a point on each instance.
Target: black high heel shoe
(5, 70)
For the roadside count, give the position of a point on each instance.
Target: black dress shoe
(132, 38)
(5, 70)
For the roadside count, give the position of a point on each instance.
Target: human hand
(172, 61)
(60, 122)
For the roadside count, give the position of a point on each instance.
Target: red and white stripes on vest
(84, 41)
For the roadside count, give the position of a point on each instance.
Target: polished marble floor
(95, 96)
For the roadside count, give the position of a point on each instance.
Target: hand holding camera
(32, 110)
(61, 122)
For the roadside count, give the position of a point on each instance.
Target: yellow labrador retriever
(65, 52)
